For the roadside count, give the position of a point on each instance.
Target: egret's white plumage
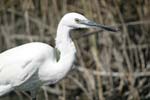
(32, 65)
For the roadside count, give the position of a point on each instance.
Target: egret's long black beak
(95, 25)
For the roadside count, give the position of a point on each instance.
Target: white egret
(29, 66)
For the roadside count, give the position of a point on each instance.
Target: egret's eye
(77, 20)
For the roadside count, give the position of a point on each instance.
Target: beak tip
(113, 29)
(116, 29)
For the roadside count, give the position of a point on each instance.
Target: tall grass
(109, 66)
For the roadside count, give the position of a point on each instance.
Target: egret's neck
(66, 47)
(63, 39)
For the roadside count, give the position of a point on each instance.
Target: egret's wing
(19, 64)
(18, 72)
(5, 89)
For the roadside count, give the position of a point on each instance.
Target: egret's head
(75, 20)
(72, 20)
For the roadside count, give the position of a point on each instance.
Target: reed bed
(109, 66)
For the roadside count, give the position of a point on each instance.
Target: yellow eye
(77, 20)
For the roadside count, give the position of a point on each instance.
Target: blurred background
(109, 66)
